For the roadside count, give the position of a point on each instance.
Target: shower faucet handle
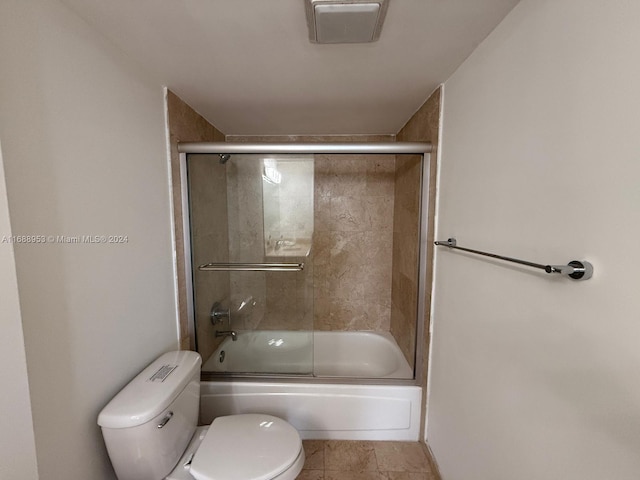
(218, 313)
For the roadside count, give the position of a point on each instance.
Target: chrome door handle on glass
(218, 313)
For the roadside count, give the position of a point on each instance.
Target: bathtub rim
(290, 378)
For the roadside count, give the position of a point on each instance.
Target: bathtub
(333, 354)
(335, 411)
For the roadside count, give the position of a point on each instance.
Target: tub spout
(228, 333)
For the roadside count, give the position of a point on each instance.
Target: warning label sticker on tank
(163, 372)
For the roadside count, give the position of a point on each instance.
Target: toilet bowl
(151, 433)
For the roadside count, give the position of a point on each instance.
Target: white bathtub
(353, 411)
(333, 354)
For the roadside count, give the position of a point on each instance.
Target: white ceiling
(249, 68)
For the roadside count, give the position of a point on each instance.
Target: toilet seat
(248, 447)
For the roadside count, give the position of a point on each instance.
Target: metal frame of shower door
(398, 148)
(186, 239)
(420, 346)
(418, 148)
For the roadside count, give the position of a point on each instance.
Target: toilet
(151, 433)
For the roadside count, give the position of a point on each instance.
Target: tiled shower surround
(273, 300)
(362, 270)
(211, 238)
(352, 242)
(423, 126)
(351, 255)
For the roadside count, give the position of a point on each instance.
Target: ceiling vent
(345, 21)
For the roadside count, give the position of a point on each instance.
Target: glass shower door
(251, 220)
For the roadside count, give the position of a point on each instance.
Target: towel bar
(577, 270)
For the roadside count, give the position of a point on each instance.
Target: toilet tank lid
(151, 391)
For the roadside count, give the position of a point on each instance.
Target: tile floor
(359, 460)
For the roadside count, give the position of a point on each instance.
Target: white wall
(82, 131)
(536, 377)
(17, 443)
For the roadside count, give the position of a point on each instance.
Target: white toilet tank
(147, 426)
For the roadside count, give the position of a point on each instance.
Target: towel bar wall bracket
(575, 269)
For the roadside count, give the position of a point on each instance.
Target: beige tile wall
(424, 126)
(352, 242)
(351, 251)
(210, 240)
(244, 200)
(406, 231)
(279, 300)
(186, 125)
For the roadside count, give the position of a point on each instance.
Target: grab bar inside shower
(251, 267)
(575, 269)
